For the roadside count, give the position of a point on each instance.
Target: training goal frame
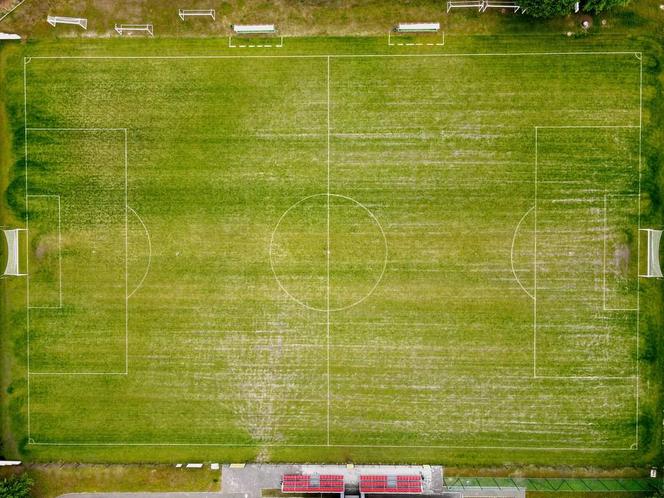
(467, 4)
(184, 13)
(78, 21)
(130, 28)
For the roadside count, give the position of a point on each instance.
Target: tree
(548, 8)
(597, 6)
(552, 8)
(16, 487)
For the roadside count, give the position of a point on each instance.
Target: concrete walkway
(142, 495)
(249, 481)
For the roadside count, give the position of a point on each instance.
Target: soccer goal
(122, 29)
(78, 21)
(654, 269)
(184, 13)
(468, 4)
(488, 4)
(12, 237)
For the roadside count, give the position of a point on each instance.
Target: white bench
(248, 29)
(501, 5)
(9, 36)
(186, 13)
(79, 21)
(130, 28)
(479, 5)
(418, 27)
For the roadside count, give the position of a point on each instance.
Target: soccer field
(417, 250)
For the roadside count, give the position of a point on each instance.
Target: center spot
(328, 252)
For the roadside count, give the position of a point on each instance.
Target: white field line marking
(638, 264)
(328, 252)
(373, 218)
(636, 377)
(76, 373)
(420, 44)
(126, 200)
(27, 227)
(604, 254)
(606, 230)
(587, 377)
(535, 267)
(516, 231)
(340, 56)
(12, 10)
(264, 45)
(27, 214)
(147, 234)
(518, 54)
(588, 127)
(378, 446)
(76, 129)
(124, 130)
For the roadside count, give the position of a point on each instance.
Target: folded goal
(78, 21)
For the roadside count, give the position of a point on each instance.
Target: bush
(16, 487)
(552, 8)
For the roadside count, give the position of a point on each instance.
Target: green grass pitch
(322, 253)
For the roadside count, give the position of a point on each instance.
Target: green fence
(555, 484)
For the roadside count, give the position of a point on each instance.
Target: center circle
(328, 252)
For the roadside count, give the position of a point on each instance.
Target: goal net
(12, 267)
(654, 237)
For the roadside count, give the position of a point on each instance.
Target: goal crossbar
(183, 13)
(129, 28)
(79, 21)
(12, 267)
(654, 269)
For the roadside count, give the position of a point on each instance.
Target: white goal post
(654, 269)
(12, 268)
(78, 21)
(498, 4)
(121, 29)
(183, 13)
(483, 5)
(479, 5)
